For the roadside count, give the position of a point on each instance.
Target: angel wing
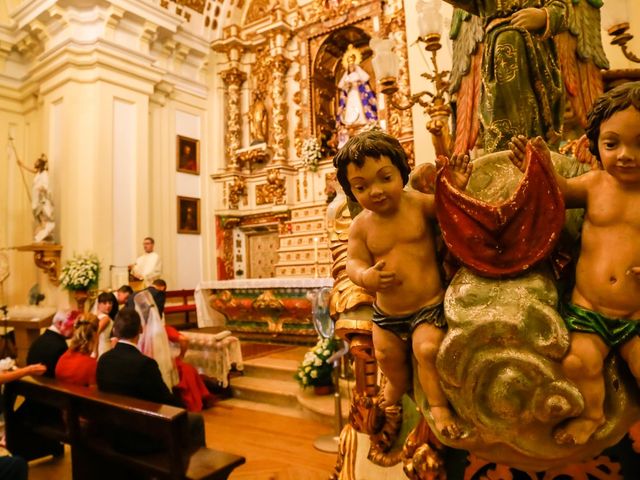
(466, 78)
(582, 57)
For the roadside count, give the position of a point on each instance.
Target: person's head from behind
(85, 334)
(159, 284)
(148, 243)
(63, 321)
(623, 98)
(123, 294)
(105, 302)
(127, 325)
(370, 153)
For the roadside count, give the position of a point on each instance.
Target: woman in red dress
(191, 389)
(77, 365)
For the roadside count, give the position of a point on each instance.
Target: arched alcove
(327, 69)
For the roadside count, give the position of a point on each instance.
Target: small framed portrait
(188, 215)
(188, 155)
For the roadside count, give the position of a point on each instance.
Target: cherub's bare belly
(417, 284)
(604, 282)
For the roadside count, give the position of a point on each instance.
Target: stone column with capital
(233, 79)
(280, 64)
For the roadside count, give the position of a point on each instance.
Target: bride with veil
(154, 341)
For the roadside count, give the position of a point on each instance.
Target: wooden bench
(185, 307)
(94, 420)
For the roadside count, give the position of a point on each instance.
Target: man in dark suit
(46, 349)
(157, 289)
(125, 370)
(50, 346)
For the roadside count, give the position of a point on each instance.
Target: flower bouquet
(314, 369)
(311, 153)
(81, 272)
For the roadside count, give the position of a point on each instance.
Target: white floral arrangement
(311, 153)
(314, 369)
(81, 272)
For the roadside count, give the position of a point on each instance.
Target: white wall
(189, 246)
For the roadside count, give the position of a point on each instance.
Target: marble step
(285, 397)
(282, 393)
(271, 368)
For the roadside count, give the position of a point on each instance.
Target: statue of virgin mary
(357, 102)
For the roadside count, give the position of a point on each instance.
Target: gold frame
(182, 205)
(195, 146)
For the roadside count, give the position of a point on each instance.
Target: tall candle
(315, 249)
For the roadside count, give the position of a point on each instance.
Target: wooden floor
(276, 447)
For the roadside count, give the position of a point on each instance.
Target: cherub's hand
(517, 152)
(36, 369)
(460, 169)
(532, 19)
(375, 278)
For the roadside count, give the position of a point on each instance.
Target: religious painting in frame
(188, 155)
(189, 215)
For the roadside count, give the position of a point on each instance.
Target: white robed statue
(357, 102)
(153, 341)
(41, 202)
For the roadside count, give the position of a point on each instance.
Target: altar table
(267, 308)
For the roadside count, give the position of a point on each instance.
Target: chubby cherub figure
(392, 252)
(604, 312)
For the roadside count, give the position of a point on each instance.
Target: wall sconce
(386, 65)
(616, 23)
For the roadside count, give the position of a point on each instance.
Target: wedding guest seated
(77, 365)
(13, 467)
(50, 346)
(127, 371)
(191, 389)
(105, 303)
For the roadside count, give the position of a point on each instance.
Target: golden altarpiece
(281, 74)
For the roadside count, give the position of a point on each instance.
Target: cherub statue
(604, 310)
(392, 253)
(41, 202)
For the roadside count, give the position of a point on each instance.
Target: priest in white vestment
(148, 266)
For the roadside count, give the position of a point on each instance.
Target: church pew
(97, 425)
(184, 307)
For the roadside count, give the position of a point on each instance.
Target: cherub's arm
(574, 190)
(360, 266)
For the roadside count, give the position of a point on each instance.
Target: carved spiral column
(233, 79)
(280, 65)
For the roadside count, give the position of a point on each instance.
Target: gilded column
(233, 79)
(280, 65)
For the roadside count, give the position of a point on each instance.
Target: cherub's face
(619, 146)
(377, 185)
